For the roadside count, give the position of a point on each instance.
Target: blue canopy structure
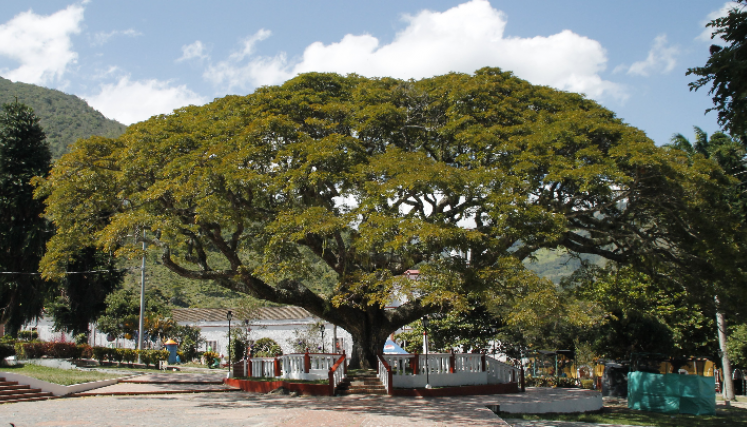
(391, 347)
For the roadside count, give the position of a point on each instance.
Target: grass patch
(58, 376)
(725, 416)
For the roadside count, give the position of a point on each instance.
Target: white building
(281, 324)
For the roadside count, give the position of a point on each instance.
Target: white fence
(299, 366)
(445, 369)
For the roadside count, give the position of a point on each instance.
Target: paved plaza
(187, 400)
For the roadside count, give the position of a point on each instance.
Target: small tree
(266, 347)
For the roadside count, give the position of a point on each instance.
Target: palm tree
(731, 156)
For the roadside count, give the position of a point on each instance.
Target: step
(348, 392)
(29, 399)
(25, 396)
(19, 389)
(7, 383)
(367, 382)
(13, 387)
(363, 388)
(26, 390)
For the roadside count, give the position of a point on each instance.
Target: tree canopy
(24, 154)
(726, 70)
(461, 176)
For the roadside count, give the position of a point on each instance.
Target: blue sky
(133, 59)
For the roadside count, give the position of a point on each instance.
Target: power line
(73, 272)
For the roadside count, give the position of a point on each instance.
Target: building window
(212, 346)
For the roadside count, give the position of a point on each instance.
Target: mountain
(64, 118)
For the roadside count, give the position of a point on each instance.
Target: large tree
(24, 154)
(461, 176)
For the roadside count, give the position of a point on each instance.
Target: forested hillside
(64, 118)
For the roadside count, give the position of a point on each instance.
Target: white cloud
(100, 39)
(463, 39)
(257, 72)
(133, 101)
(661, 58)
(40, 44)
(720, 13)
(195, 50)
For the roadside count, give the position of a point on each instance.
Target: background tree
(81, 296)
(730, 156)
(24, 154)
(122, 315)
(726, 71)
(462, 176)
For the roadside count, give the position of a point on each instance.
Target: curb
(135, 393)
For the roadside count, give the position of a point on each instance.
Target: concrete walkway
(162, 399)
(164, 383)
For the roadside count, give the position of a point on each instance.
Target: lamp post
(247, 329)
(493, 331)
(229, 315)
(426, 322)
(321, 330)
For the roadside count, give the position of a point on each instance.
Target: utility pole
(728, 390)
(142, 302)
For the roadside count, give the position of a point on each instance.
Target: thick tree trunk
(369, 329)
(728, 391)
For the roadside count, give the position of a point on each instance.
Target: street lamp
(247, 329)
(321, 330)
(426, 322)
(229, 315)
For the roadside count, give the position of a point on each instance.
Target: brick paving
(244, 409)
(161, 399)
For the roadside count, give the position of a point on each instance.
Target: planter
(268, 386)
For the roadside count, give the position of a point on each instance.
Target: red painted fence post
(306, 363)
(331, 382)
(248, 367)
(482, 360)
(415, 364)
(344, 363)
(277, 367)
(452, 362)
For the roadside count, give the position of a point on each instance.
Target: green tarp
(672, 393)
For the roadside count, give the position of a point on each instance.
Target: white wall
(282, 332)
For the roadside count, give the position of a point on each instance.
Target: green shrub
(145, 357)
(129, 355)
(587, 384)
(60, 350)
(210, 357)
(81, 338)
(33, 350)
(7, 339)
(118, 354)
(566, 383)
(28, 335)
(84, 351)
(6, 350)
(99, 353)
